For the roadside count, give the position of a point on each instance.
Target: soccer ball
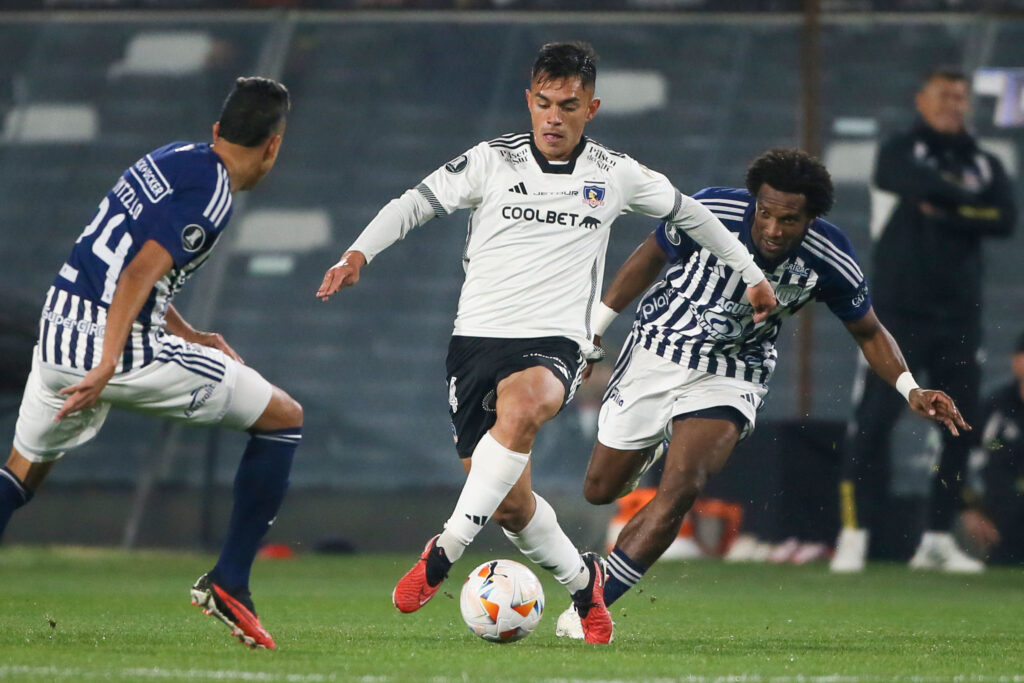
(502, 601)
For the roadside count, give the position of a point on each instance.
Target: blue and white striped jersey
(178, 195)
(699, 314)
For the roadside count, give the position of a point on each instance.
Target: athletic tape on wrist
(906, 383)
(603, 317)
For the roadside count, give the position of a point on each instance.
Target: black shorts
(475, 366)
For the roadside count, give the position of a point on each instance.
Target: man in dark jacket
(996, 521)
(946, 196)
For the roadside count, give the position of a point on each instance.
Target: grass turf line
(84, 614)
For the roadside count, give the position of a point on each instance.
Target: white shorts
(639, 406)
(199, 385)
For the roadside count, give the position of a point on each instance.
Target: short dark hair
(947, 73)
(253, 110)
(566, 60)
(795, 171)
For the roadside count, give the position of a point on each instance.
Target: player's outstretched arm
(133, 288)
(344, 273)
(884, 356)
(177, 325)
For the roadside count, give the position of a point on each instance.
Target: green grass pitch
(84, 614)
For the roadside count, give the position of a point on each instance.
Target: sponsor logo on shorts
(615, 397)
(453, 400)
(200, 396)
(557, 362)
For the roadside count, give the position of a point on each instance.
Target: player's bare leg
(260, 486)
(699, 448)
(610, 470)
(528, 520)
(525, 400)
(19, 480)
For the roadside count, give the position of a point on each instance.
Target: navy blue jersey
(699, 315)
(179, 196)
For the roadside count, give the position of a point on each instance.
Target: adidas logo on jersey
(519, 189)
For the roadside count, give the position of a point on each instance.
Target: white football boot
(938, 550)
(851, 551)
(569, 624)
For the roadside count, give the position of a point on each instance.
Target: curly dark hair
(795, 171)
(566, 60)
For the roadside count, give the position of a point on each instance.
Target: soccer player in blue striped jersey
(695, 368)
(109, 335)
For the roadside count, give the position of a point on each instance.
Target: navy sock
(13, 495)
(623, 573)
(260, 485)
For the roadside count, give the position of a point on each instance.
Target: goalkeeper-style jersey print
(699, 316)
(179, 196)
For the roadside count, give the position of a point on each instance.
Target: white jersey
(538, 232)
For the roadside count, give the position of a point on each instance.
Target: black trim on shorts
(727, 413)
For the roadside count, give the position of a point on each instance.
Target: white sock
(543, 541)
(495, 471)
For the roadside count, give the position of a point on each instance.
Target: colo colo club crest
(593, 196)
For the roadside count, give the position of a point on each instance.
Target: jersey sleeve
(650, 193)
(194, 213)
(676, 244)
(842, 286)
(459, 183)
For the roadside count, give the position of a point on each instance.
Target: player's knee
(599, 489)
(284, 412)
(295, 412)
(524, 417)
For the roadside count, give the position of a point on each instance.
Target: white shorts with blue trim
(189, 383)
(643, 398)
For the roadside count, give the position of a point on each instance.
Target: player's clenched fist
(763, 300)
(344, 273)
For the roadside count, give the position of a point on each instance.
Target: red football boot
(589, 603)
(414, 589)
(234, 610)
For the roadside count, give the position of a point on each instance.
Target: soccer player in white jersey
(695, 368)
(109, 336)
(542, 204)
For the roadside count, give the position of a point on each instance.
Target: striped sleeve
(842, 287)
